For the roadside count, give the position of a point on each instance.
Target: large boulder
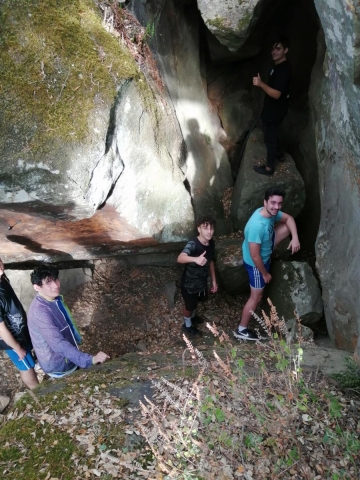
(83, 117)
(150, 194)
(229, 20)
(55, 103)
(335, 113)
(232, 274)
(294, 288)
(250, 186)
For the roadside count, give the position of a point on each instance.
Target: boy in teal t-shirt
(260, 229)
(267, 227)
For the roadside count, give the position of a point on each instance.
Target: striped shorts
(255, 277)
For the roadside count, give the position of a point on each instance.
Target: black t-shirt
(194, 277)
(279, 79)
(14, 316)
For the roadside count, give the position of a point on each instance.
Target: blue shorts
(255, 277)
(25, 364)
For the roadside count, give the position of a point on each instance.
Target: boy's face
(49, 289)
(273, 205)
(278, 52)
(206, 231)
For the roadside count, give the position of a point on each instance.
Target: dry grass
(262, 420)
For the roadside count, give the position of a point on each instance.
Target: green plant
(149, 32)
(350, 377)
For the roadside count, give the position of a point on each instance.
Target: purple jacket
(52, 338)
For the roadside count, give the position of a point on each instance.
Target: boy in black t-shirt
(14, 333)
(198, 255)
(277, 94)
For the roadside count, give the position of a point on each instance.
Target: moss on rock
(25, 446)
(57, 61)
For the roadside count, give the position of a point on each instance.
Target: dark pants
(191, 299)
(271, 138)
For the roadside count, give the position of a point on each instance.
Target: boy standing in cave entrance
(198, 255)
(277, 94)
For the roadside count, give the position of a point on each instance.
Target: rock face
(176, 46)
(335, 100)
(294, 288)
(250, 186)
(228, 20)
(55, 105)
(232, 100)
(91, 126)
(229, 264)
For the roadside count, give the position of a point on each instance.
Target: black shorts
(191, 299)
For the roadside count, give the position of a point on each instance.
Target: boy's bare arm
(6, 335)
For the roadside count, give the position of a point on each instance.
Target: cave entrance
(238, 104)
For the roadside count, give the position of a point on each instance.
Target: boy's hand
(201, 260)
(21, 352)
(100, 357)
(267, 278)
(294, 245)
(257, 80)
(214, 287)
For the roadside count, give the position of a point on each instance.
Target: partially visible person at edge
(53, 332)
(277, 94)
(261, 236)
(198, 256)
(14, 333)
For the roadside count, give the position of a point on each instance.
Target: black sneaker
(262, 170)
(245, 334)
(192, 331)
(196, 320)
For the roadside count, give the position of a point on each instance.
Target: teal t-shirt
(260, 230)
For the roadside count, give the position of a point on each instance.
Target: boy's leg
(190, 305)
(257, 286)
(26, 368)
(251, 305)
(271, 134)
(281, 232)
(29, 378)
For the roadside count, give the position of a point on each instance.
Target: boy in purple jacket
(53, 332)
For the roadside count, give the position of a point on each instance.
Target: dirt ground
(125, 309)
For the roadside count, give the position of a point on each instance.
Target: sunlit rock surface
(250, 186)
(150, 194)
(176, 46)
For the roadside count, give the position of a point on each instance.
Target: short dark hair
(205, 220)
(271, 191)
(282, 39)
(44, 271)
